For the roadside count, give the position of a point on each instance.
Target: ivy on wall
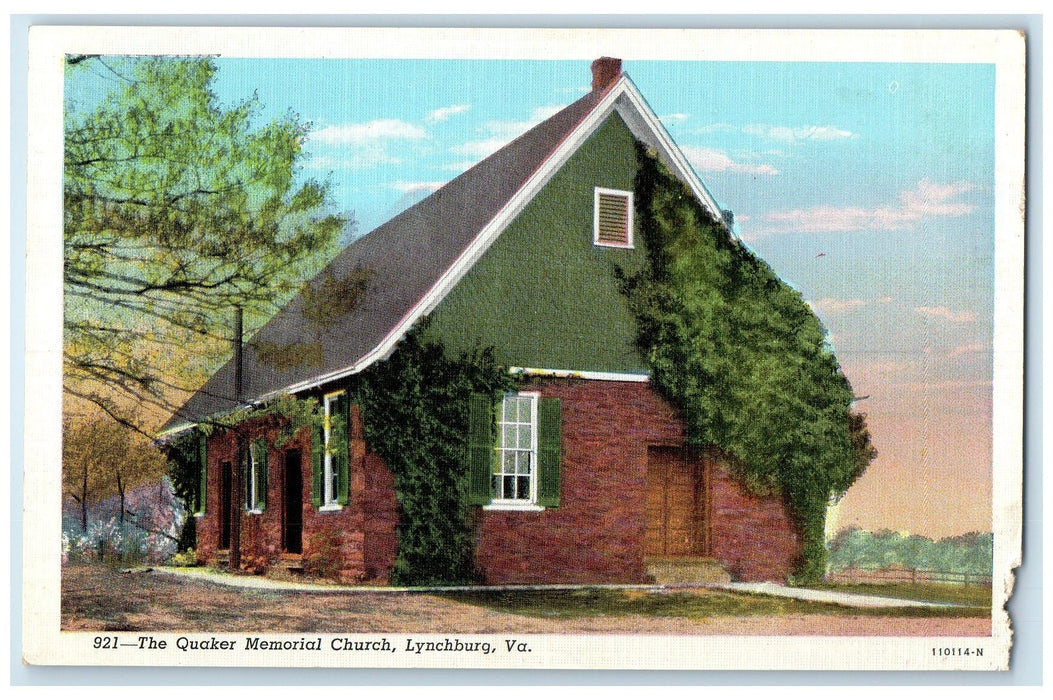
(184, 468)
(184, 454)
(415, 411)
(744, 358)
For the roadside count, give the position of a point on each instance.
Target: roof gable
(418, 256)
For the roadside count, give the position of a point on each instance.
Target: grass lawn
(979, 596)
(97, 598)
(687, 604)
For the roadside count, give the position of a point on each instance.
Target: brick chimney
(605, 71)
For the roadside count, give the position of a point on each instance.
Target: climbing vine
(184, 468)
(744, 358)
(415, 411)
(184, 455)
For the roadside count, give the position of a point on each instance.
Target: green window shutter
(317, 448)
(260, 455)
(549, 456)
(480, 448)
(342, 457)
(202, 453)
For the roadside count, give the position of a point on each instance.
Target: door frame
(701, 467)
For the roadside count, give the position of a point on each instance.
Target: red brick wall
(753, 536)
(260, 533)
(596, 535)
(356, 542)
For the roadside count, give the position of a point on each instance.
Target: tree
(176, 209)
(103, 458)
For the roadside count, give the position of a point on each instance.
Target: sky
(868, 187)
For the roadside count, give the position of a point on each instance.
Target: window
(255, 472)
(330, 459)
(519, 466)
(514, 477)
(613, 218)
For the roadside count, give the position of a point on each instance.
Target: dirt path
(99, 598)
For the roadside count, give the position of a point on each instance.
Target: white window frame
(500, 449)
(329, 489)
(630, 217)
(253, 482)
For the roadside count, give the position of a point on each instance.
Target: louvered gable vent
(613, 219)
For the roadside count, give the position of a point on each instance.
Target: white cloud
(676, 118)
(404, 186)
(716, 128)
(800, 133)
(969, 349)
(942, 312)
(837, 306)
(926, 200)
(365, 132)
(364, 157)
(362, 144)
(710, 160)
(443, 113)
(932, 199)
(784, 134)
(479, 149)
(498, 133)
(510, 129)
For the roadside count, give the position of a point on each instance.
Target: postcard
(524, 349)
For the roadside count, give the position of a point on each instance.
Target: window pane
(509, 463)
(510, 408)
(524, 438)
(523, 463)
(522, 487)
(509, 435)
(495, 486)
(509, 487)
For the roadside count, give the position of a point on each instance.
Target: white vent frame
(630, 217)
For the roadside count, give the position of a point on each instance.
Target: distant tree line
(970, 553)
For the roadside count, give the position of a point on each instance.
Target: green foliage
(185, 558)
(286, 356)
(972, 553)
(176, 209)
(328, 301)
(415, 410)
(289, 413)
(184, 469)
(744, 358)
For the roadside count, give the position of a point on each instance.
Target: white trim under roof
(622, 97)
(574, 374)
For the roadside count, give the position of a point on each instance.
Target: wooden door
(675, 504)
(292, 525)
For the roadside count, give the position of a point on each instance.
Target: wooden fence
(902, 574)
